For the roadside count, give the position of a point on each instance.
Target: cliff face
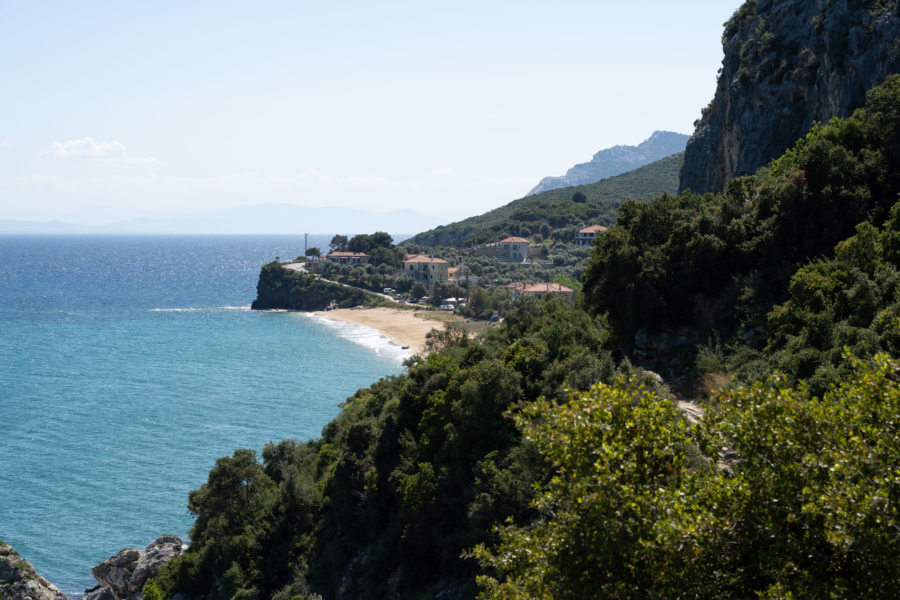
(787, 63)
(286, 289)
(616, 160)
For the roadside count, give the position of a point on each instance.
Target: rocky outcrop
(616, 160)
(787, 63)
(121, 576)
(124, 574)
(287, 289)
(19, 581)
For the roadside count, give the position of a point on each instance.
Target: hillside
(557, 209)
(787, 63)
(786, 269)
(616, 160)
(536, 462)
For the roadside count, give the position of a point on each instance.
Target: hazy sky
(115, 109)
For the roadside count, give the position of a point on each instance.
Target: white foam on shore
(364, 336)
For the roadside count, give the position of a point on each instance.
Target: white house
(586, 236)
(513, 249)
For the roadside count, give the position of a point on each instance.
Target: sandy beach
(402, 327)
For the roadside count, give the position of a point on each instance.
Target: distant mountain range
(617, 160)
(252, 219)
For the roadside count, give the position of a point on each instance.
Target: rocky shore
(18, 579)
(121, 577)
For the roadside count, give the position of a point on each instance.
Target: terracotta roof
(593, 229)
(545, 287)
(423, 258)
(516, 285)
(346, 254)
(514, 240)
(453, 270)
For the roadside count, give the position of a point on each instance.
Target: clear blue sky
(120, 109)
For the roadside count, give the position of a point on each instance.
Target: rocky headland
(787, 64)
(281, 288)
(120, 577)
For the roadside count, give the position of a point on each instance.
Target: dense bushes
(718, 264)
(558, 214)
(288, 289)
(415, 469)
(784, 490)
(851, 301)
(638, 507)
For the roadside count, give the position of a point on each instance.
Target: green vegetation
(538, 461)
(638, 507)
(740, 19)
(416, 469)
(279, 287)
(736, 265)
(558, 214)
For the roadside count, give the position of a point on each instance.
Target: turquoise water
(129, 364)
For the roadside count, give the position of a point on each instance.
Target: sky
(115, 110)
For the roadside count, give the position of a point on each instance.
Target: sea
(129, 364)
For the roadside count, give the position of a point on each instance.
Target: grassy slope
(556, 208)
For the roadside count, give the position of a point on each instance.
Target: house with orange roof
(541, 290)
(586, 236)
(348, 258)
(516, 287)
(426, 269)
(513, 249)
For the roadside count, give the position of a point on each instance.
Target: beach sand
(401, 326)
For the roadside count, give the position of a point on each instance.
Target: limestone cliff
(787, 63)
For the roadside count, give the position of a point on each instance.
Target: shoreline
(401, 327)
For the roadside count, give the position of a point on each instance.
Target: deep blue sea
(129, 364)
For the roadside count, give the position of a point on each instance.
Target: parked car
(495, 318)
(446, 307)
(388, 290)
